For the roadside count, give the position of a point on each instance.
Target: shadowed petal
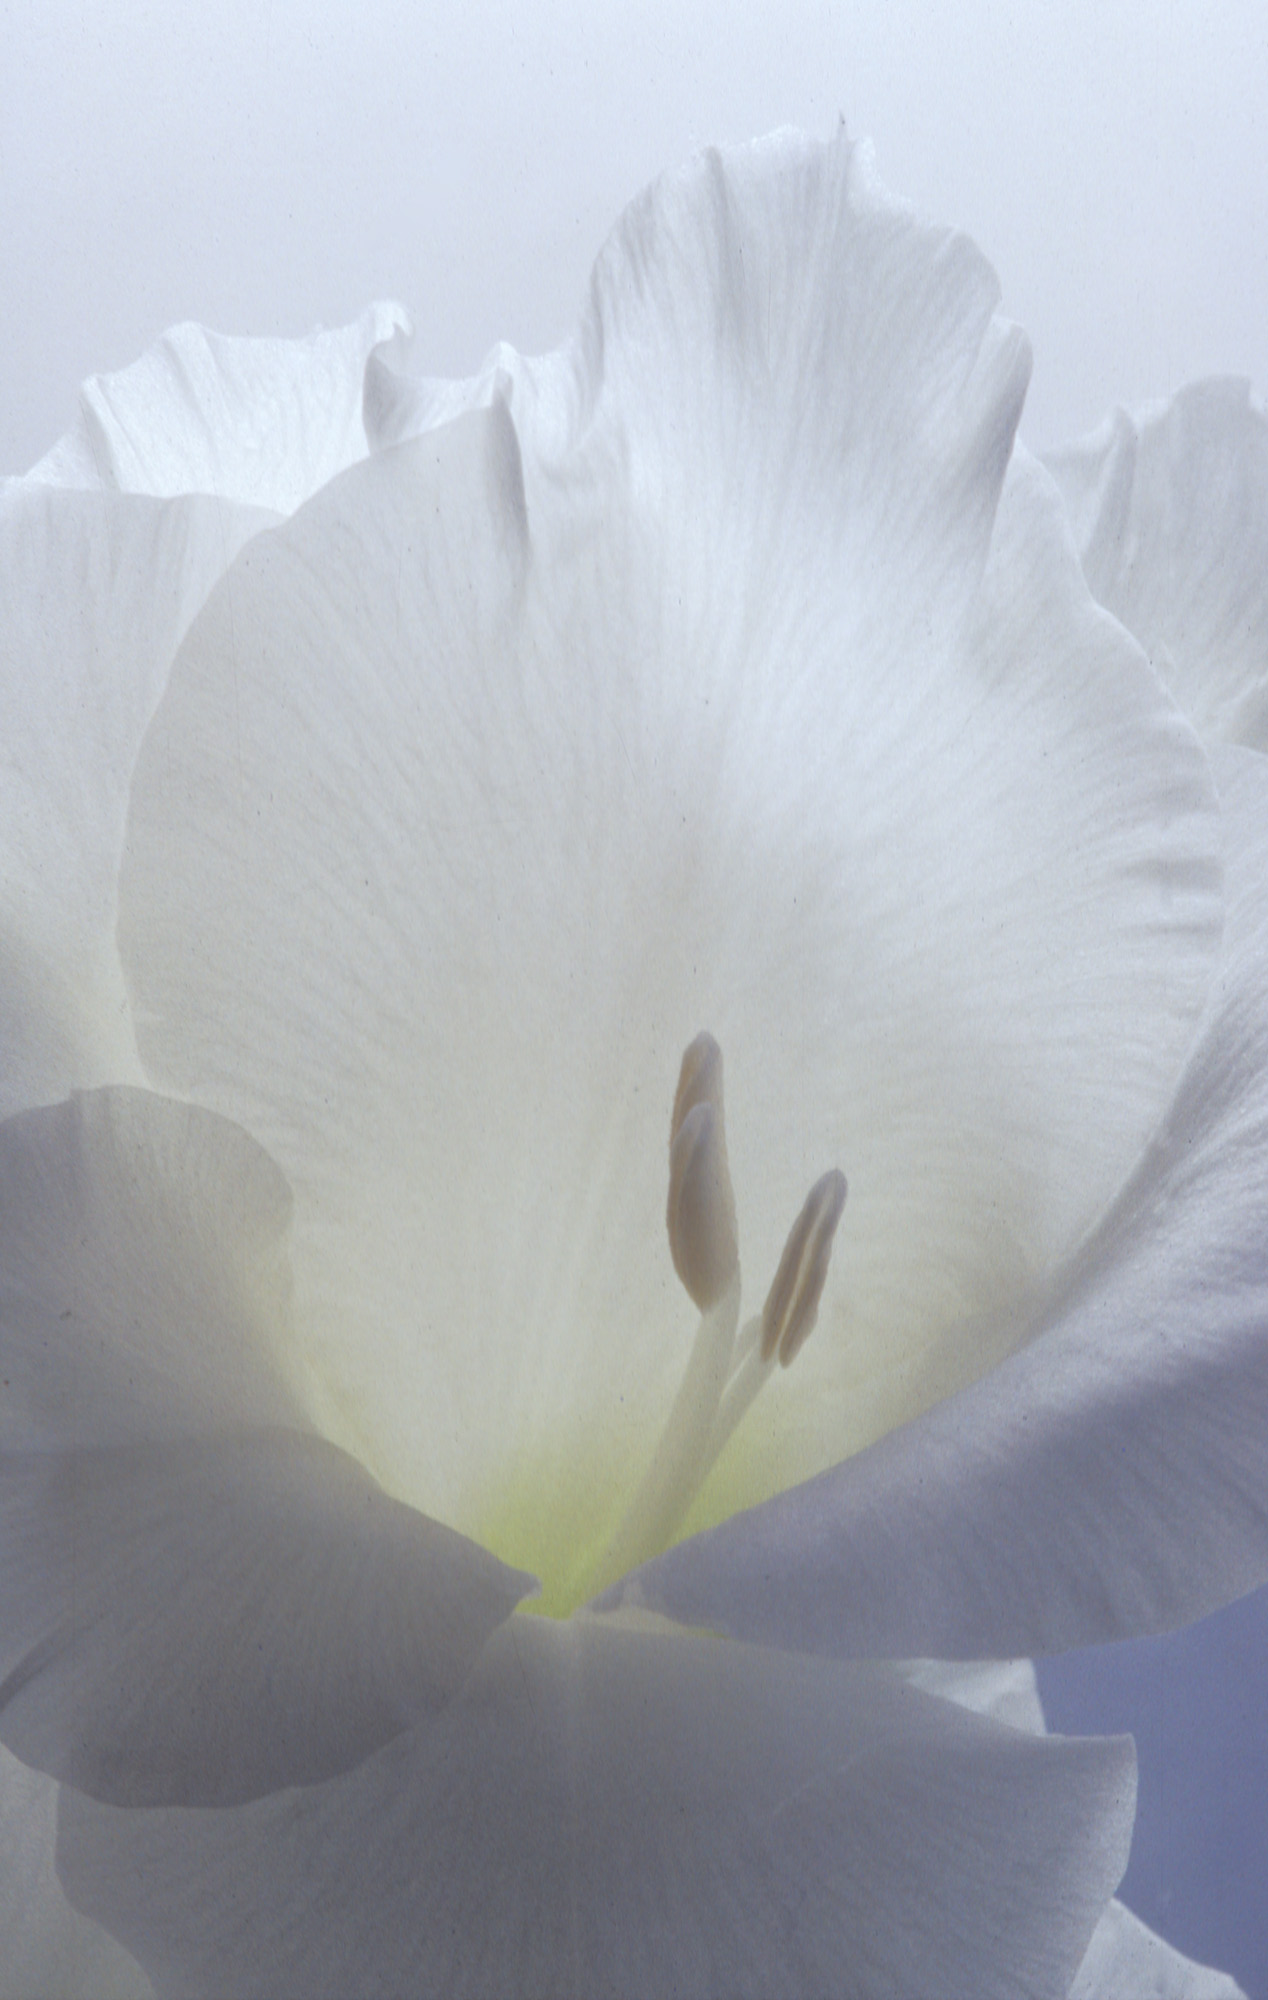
(49, 1951)
(602, 1813)
(202, 1600)
(1111, 1477)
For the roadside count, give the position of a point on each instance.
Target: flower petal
(1170, 513)
(263, 422)
(203, 1601)
(49, 1949)
(518, 756)
(602, 1812)
(1126, 1961)
(1110, 1478)
(98, 591)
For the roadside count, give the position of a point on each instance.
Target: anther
(701, 1211)
(792, 1304)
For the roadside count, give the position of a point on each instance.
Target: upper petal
(262, 422)
(1108, 1479)
(604, 1813)
(686, 688)
(1170, 513)
(202, 1599)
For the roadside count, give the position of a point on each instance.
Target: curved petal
(1111, 1477)
(202, 1600)
(261, 422)
(698, 699)
(1125, 1958)
(98, 590)
(49, 1949)
(1170, 514)
(603, 1813)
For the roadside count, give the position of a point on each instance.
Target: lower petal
(605, 1811)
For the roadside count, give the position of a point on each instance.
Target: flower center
(728, 1364)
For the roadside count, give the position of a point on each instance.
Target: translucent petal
(203, 1600)
(521, 754)
(1170, 513)
(262, 422)
(1108, 1479)
(602, 1812)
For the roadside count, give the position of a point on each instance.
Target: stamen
(723, 1374)
(701, 1210)
(792, 1303)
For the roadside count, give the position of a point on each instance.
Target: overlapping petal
(99, 583)
(1108, 1479)
(603, 1812)
(262, 423)
(1170, 512)
(692, 694)
(203, 1600)
(1128, 1961)
(98, 591)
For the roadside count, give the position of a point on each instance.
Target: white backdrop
(263, 165)
(266, 164)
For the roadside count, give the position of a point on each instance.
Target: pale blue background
(266, 166)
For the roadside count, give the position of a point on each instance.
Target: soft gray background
(264, 166)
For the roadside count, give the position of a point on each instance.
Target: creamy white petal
(520, 755)
(202, 1600)
(48, 1950)
(602, 1812)
(1170, 513)
(1111, 1477)
(98, 590)
(262, 422)
(1126, 1961)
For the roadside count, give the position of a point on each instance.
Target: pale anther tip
(699, 1080)
(792, 1304)
(700, 1215)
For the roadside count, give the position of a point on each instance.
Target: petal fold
(1110, 1478)
(606, 1813)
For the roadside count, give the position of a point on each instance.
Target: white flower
(370, 864)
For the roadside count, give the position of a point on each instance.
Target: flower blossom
(421, 802)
